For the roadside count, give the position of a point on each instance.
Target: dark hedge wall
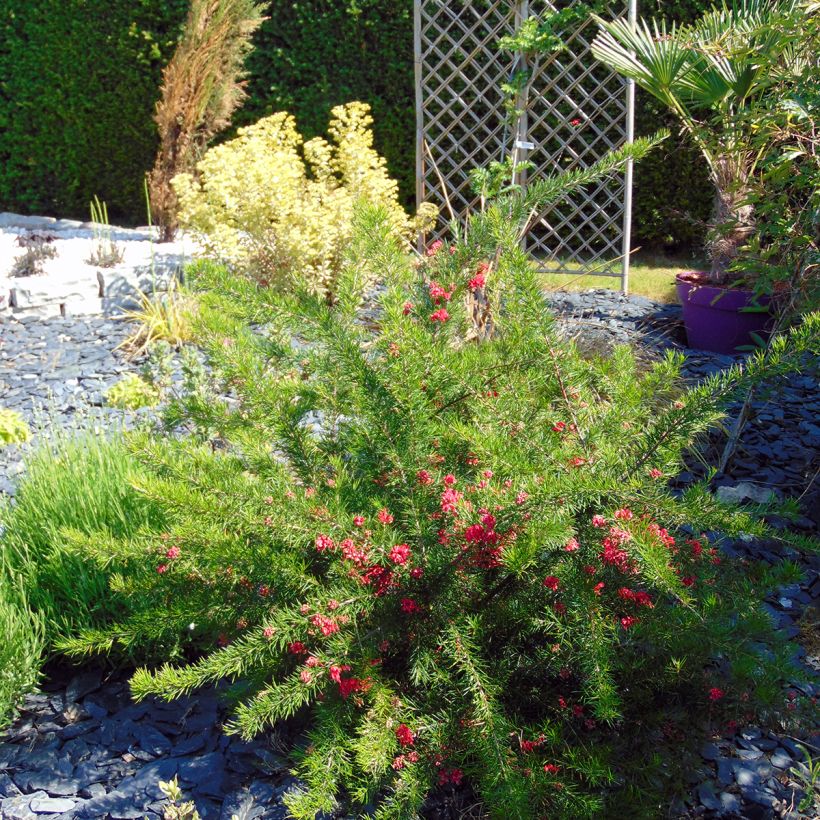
(78, 82)
(672, 195)
(79, 79)
(314, 54)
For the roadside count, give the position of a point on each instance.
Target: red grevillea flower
(624, 514)
(559, 427)
(551, 768)
(268, 632)
(598, 588)
(450, 499)
(521, 498)
(615, 556)
(162, 569)
(552, 582)
(662, 534)
(297, 648)
(449, 480)
(416, 572)
(435, 247)
(598, 521)
(478, 281)
(172, 553)
(335, 672)
(407, 308)
(380, 577)
(327, 625)
(452, 776)
(385, 517)
(572, 545)
(405, 735)
(358, 555)
(409, 606)
(439, 294)
(689, 581)
(529, 745)
(400, 554)
(358, 520)
(351, 685)
(575, 122)
(423, 477)
(655, 473)
(716, 694)
(628, 621)
(441, 315)
(324, 543)
(559, 608)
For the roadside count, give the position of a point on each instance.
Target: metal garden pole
(630, 138)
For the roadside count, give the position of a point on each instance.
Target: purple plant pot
(714, 318)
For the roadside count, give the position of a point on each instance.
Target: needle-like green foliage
(437, 530)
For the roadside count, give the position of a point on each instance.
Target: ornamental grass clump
(281, 209)
(201, 88)
(446, 542)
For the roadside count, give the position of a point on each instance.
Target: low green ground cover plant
(441, 536)
(132, 392)
(77, 485)
(72, 486)
(23, 642)
(13, 427)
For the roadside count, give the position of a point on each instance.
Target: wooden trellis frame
(576, 111)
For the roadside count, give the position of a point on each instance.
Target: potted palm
(713, 74)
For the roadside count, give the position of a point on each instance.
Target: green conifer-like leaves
(453, 552)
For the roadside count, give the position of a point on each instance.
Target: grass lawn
(651, 276)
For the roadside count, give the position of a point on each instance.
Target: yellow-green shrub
(13, 429)
(280, 208)
(131, 392)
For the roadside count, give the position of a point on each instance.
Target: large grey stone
(18, 808)
(51, 805)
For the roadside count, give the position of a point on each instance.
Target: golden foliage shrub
(281, 209)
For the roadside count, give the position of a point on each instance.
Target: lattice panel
(577, 111)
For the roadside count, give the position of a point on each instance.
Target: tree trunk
(732, 220)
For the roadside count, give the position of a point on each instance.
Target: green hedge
(672, 195)
(78, 83)
(314, 54)
(79, 79)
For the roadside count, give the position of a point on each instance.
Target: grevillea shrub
(441, 536)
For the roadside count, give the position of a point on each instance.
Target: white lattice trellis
(576, 111)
